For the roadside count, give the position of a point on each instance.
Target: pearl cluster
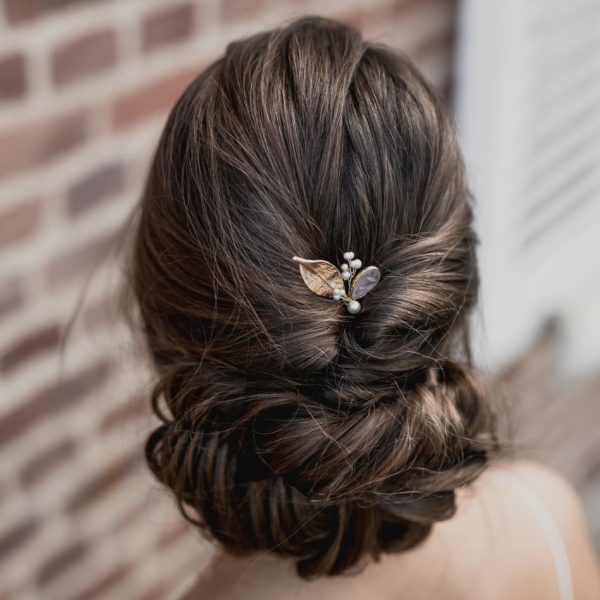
(348, 271)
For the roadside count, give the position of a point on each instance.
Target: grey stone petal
(364, 282)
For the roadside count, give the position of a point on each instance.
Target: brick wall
(84, 90)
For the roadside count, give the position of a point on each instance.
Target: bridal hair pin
(325, 279)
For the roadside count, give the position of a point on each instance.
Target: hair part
(288, 424)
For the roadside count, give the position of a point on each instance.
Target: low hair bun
(275, 470)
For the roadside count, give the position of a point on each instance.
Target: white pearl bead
(348, 255)
(353, 306)
(356, 263)
(345, 274)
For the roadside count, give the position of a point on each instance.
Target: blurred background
(85, 87)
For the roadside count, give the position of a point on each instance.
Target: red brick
(128, 411)
(102, 587)
(29, 346)
(151, 99)
(102, 484)
(127, 516)
(34, 144)
(156, 591)
(84, 56)
(51, 400)
(17, 535)
(369, 20)
(19, 222)
(234, 10)
(402, 9)
(102, 313)
(444, 42)
(61, 561)
(95, 187)
(46, 462)
(81, 261)
(359, 18)
(172, 534)
(168, 26)
(13, 81)
(19, 11)
(12, 296)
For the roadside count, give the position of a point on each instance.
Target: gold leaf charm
(320, 276)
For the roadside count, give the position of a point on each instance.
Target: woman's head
(289, 424)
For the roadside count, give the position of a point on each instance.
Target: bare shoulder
(562, 501)
(557, 493)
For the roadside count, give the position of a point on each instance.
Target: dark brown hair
(289, 424)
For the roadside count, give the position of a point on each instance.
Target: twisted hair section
(285, 471)
(287, 424)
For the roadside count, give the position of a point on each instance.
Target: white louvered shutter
(528, 114)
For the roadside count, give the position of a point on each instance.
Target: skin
(492, 548)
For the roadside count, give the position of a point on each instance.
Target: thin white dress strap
(548, 526)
